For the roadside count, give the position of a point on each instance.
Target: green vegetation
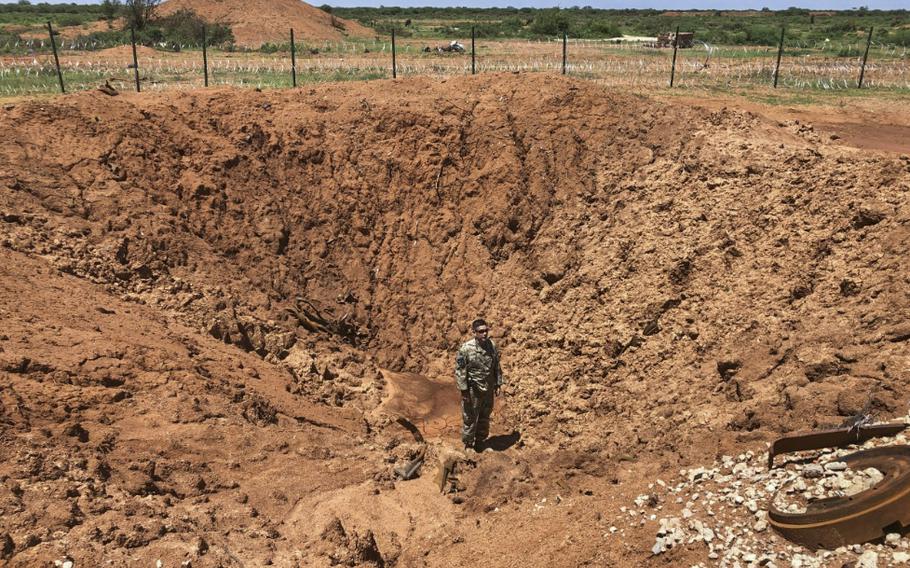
(807, 28)
(27, 14)
(715, 27)
(181, 28)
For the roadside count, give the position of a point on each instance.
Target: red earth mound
(201, 291)
(255, 22)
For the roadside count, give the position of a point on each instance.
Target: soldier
(478, 376)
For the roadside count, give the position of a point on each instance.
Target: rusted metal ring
(866, 516)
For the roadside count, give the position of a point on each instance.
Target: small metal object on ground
(831, 438)
(446, 467)
(412, 428)
(866, 516)
(410, 470)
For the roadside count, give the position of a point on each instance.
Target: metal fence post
(394, 63)
(135, 59)
(50, 30)
(473, 69)
(780, 51)
(862, 69)
(565, 39)
(293, 61)
(205, 58)
(675, 47)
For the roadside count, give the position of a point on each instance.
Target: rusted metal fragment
(410, 427)
(866, 516)
(444, 473)
(836, 438)
(409, 471)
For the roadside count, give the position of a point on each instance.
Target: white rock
(892, 539)
(900, 558)
(67, 564)
(874, 475)
(836, 466)
(760, 526)
(659, 546)
(813, 471)
(868, 559)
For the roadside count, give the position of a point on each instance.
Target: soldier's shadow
(502, 442)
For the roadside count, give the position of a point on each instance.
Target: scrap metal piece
(409, 471)
(836, 438)
(866, 516)
(446, 467)
(410, 427)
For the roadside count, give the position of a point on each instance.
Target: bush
(69, 20)
(900, 37)
(762, 35)
(602, 28)
(550, 22)
(186, 27)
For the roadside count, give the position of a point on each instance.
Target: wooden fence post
(394, 63)
(473, 69)
(205, 58)
(780, 51)
(675, 47)
(50, 30)
(293, 61)
(135, 59)
(862, 69)
(565, 39)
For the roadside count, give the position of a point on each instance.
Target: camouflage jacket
(477, 366)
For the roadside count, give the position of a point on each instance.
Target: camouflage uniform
(478, 372)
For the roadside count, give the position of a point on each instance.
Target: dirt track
(200, 292)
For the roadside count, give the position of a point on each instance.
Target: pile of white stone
(815, 483)
(724, 508)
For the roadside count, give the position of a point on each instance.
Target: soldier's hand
(497, 389)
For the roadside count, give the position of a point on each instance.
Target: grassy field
(823, 50)
(602, 62)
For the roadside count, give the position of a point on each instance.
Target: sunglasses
(483, 330)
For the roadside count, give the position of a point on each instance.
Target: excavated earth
(216, 305)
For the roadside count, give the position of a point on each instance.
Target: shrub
(602, 28)
(550, 22)
(761, 35)
(900, 37)
(186, 27)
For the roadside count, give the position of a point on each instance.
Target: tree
(140, 12)
(550, 22)
(110, 9)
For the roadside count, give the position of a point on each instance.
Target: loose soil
(216, 305)
(255, 22)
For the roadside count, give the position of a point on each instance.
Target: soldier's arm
(461, 370)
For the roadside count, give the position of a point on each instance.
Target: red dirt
(255, 22)
(199, 290)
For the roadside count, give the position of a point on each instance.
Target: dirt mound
(256, 22)
(235, 269)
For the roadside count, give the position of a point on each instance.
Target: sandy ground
(217, 304)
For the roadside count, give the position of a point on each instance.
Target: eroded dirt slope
(666, 284)
(255, 22)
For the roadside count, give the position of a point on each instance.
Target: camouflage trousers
(475, 414)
